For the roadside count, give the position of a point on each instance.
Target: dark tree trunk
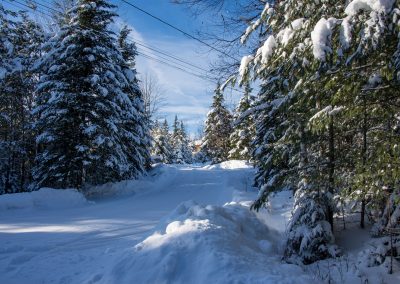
(331, 166)
(364, 160)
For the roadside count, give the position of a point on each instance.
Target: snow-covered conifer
(88, 105)
(181, 150)
(310, 236)
(20, 40)
(161, 150)
(218, 128)
(243, 134)
(136, 125)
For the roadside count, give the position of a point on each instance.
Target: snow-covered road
(83, 244)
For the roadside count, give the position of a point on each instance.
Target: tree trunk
(331, 166)
(364, 161)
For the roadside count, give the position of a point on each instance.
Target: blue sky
(187, 96)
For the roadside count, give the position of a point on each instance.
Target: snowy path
(83, 244)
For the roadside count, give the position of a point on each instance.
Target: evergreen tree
(323, 114)
(218, 128)
(244, 130)
(310, 237)
(87, 106)
(288, 149)
(21, 39)
(181, 150)
(185, 152)
(136, 126)
(8, 181)
(161, 150)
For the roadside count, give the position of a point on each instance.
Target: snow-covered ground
(180, 224)
(170, 227)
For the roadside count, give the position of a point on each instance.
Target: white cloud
(187, 96)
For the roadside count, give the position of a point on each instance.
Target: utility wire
(178, 29)
(137, 42)
(170, 64)
(133, 41)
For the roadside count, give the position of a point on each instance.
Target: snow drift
(230, 165)
(48, 198)
(208, 244)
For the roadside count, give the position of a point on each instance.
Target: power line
(178, 29)
(176, 67)
(172, 65)
(14, 5)
(166, 54)
(137, 42)
(141, 50)
(11, 2)
(134, 41)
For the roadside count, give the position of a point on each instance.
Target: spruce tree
(185, 152)
(328, 71)
(218, 128)
(243, 134)
(21, 40)
(310, 237)
(181, 151)
(161, 150)
(136, 126)
(295, 52)
(87, 112)
(8, 177)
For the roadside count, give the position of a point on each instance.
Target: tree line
(71, 111)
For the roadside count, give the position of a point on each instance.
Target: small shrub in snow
(386, 249)
(383, 251)
(310, 236)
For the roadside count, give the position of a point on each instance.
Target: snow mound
(159, 175)
(207, 244)
(230, 165)
(47, 198)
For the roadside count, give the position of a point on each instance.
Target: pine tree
(8, 179)
(87, 106)
(137, 126)
(181, 151)
(244, 130)
(185, 152)
(218, 128)
(323, 114)
(161, 150)
(297, 49)
(310, 236)
(21, 39)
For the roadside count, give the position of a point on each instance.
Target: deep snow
(146, 231)
(180, 224)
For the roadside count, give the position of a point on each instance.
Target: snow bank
(207, 244)
(44, 198)
(230, 165)
(157, 177)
